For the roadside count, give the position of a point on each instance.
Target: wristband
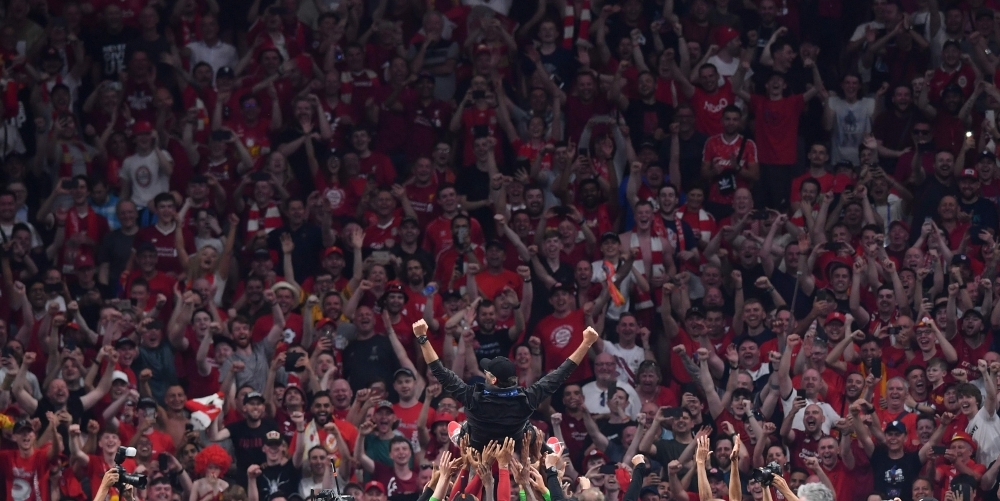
(434, 499)
(522, 495)
(547, 496)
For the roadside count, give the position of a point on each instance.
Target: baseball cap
(501, 368)
(649, 489)
(122, 341)
(836, 316)
(142, 127)
(450, 294)
(968, 174)
(83, 260)
(959, 259)
(22, 425)
(896, 426)
(146, 403)
(442, 417)
(273, 437)
(333, 249)
(901, 224)
(595, 454)
(225, 72)
(694, 311)
(609, 235)
(251, 396)
(724, 35)
(375, 484)
(409, 220)
(402, 371)
(261, 255)
(145, 247)
(394, 288)
(716, 474)
(384, 404)
(987, 155)
(119, 376)
(565, 287)
(963, 436)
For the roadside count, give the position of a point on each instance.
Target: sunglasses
(921, 132)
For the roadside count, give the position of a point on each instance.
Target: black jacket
(494, 413)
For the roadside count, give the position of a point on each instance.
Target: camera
(765, 474)
(136, 480)
(330, 495)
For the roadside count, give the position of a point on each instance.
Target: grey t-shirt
(851, 123)
(256, 366)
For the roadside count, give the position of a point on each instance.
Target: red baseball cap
(968, 173)
(836, 316)
(964, 436)
(724, 35)
(142, 127)
(333, 249)
(375, 484)
(83, 260)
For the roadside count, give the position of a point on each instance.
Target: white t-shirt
(598, 276)
(592, 398)
(628, 360)
(146, 177)
(985, 430)
(829, 414)
(727, 70)
(851, 123)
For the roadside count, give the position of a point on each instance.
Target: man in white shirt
(210, 49)
(627, 354)
(146, 173)
(596, 393)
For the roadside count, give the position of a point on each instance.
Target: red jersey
(841, 478)
(825, 184)
(777, 127)
(339, 117)
(963, 76)
(293, 328)
(427, 122)
(526, 149)
(448, 261)
(947, 472)
(597, 219)
(490, 285)
(560, 338)
(382, 237)
(471, 118)
(343, 199)
(437, 235)
(377, 166)
(27, 477)
(357, 87)
(166, 247)
(422, 200)
(969, 357)
(255, 137)
(720, 153)
(138, 96)
(708, 108)
(91, 223)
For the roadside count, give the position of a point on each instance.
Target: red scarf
(569, 21)
(269, 220)
(66, 163)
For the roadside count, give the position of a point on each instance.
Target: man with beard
(729, 163)
(334, 435)
(595, 207)
(255, 357)
(809, 390)
(247, 435)
(646, 116)
(254, 306)
(975, 340)
(495, 278)
(682, 238)
(438, 236)
(665, 451)
(276, 475)
(493, 340)
(930, 190)
(892, 129)
(817, 170)
(982, 212)
(369, 357)
(408, 248)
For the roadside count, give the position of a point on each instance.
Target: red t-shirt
(720, 153)
(422, 200)
(448, 259)
(947, 472)
(708, 108)
(777, 127)
(166, 247)
(293, 323)
(255, 138)
(825, 184)
(963, 76)
(426, 124)
(560, 338)
(843, 483)
(377, 166)
(471, 118)
(27, 478)
(382, 237)
(437, 235)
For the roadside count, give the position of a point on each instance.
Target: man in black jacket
(500, 408)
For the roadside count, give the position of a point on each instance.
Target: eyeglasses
(426, 467)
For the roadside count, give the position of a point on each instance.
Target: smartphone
(833, 246)
(608, 469)
(221, 135)
(150, 413)
(612, 388)
(6, 352)
(939, 449)
(800, 393)
(188, 427)
(583, 152)
(291, 360)
(876, 367)
(963, 488)
(164, 461)
(68, 184)
(479, 94)
(894, 330)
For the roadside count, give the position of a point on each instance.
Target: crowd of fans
(220, 220)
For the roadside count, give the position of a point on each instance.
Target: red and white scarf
(268, 221)
(569, 22)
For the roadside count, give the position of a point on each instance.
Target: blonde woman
(206, 262)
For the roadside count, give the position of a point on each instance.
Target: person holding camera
(500, 408)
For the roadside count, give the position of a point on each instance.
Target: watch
(422, 339)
